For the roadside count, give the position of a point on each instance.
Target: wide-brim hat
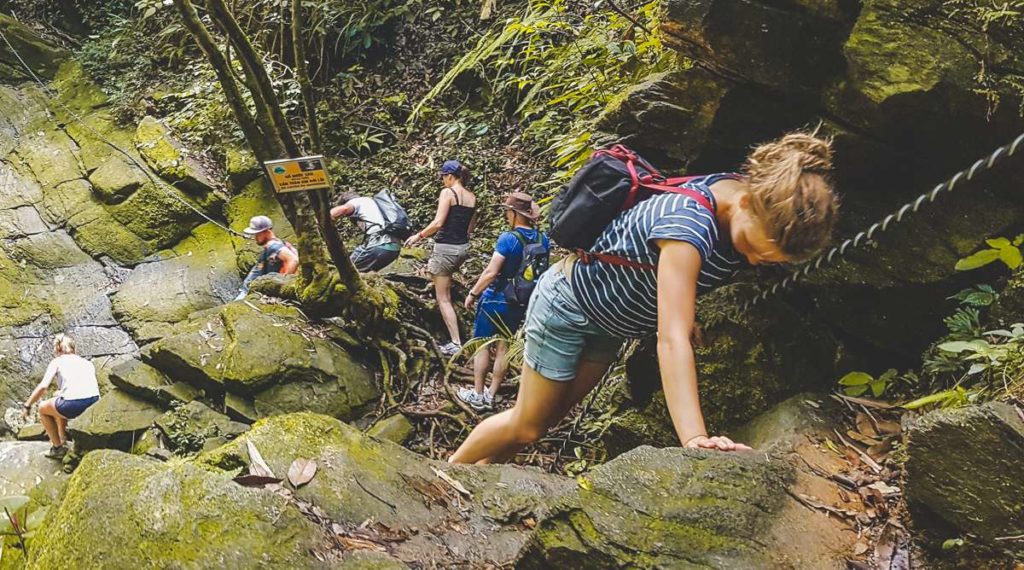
(522, 204)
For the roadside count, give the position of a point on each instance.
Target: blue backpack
(535, 260)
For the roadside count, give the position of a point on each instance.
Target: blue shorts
(494, 317)
(71, 409)
(558, 335)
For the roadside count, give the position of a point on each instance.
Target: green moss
(169, 514)
(42, 57)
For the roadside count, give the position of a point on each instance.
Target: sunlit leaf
(301, 472)
(1011, 256)
(856, 379)
(998, 243)
(980, 259)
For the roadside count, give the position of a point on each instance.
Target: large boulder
(114, 422)
(168, 157)
(169, 515)
(747, 361)
(23, 467)
(270, 352)
(42, 57)
(198, 273)
(195, 426)
(963, 473)
(143, 381)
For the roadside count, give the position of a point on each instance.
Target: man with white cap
(278, 256)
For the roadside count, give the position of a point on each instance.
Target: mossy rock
(944, 491)
(116, 179)
(32, 432)
(666, 508)
(394, 428)
(1009, 307)
(198, 273)
(41, 56)
(114, 422)
(170, 515)
(158, 217)
(143, 381)
(245, 350)
(195, 426)
(23, 467)
(50, 250)
(167, 157)
(241, 167)
(362, 478)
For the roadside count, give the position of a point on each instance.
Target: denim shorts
(71, 409)
(558, 335)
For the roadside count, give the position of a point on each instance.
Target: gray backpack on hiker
(396, 220)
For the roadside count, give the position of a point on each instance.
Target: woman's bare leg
(500, 367)
(443, 293)
(525, 423)
(48, 416)
(588, 374)
(481, 362)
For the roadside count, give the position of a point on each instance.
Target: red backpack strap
(588, 257)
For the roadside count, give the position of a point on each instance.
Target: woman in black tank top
(456, 215)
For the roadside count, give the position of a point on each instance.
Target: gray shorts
(446, 259)
(558, 335)
(374, 258)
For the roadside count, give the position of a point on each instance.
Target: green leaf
(956, 346)
(930, 399)
(36, 518)
(977, 367)
(980, 259)
(998, 243)
(855, 390)
(952, 543)
(856, 379)
(1011, 256)
(878, 387)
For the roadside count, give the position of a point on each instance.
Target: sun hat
(258, 224)
(522, 204)
(451, 167)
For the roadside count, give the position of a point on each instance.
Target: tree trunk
(274, 120)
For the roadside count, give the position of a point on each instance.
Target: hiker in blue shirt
(496, 313)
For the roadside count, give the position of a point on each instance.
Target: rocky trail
(204, 451)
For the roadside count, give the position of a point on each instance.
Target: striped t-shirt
(623, 301)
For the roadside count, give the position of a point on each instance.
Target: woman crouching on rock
(780, 210)
(76, 391)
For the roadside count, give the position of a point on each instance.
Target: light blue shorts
(558, 335)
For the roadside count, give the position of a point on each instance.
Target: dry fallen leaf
(257, 466)
(865, 426)
(451, 481)
(860, 548)
(301, 472)
(255, 480)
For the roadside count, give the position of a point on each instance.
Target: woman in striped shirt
(780, 210)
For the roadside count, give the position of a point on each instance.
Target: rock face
(188, 516)
(115, 421)
(650, 507)
(22, 467)
(897, 85)
(198, 273)
(977, 489)
(265, 353)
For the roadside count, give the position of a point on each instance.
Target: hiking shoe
(451, 349)
(470, 396)
(57, 452)
(488, 401)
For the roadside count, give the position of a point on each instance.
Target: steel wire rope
(157, 181)
(980, 165)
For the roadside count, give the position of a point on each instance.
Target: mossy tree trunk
(270, 137)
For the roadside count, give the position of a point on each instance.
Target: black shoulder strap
(456, 193)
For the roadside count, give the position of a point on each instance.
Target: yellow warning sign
(297, 174)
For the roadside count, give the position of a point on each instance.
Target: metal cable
(882, 225)
(157, 181)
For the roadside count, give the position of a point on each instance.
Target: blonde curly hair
(791, 192)
(63, 344)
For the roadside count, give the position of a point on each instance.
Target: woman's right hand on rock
(413, 240)
(718, 442)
